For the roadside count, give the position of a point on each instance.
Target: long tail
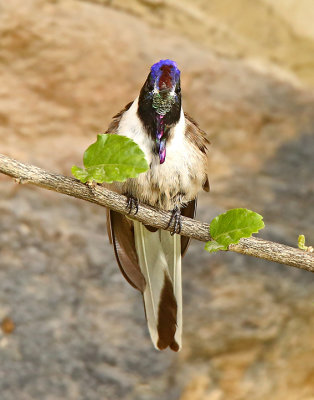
(159, 256)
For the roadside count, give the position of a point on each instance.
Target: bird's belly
(166, 185)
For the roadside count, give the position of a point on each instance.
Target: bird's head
(161, 90)
(164, 85)
(160, 102)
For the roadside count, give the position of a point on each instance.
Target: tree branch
(195, 229)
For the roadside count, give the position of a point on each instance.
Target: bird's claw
(176, 219)
(132, 203)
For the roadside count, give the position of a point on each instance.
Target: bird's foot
(132, 203)
(176, 220)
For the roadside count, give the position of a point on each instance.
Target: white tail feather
(172, 249)
(159, 253)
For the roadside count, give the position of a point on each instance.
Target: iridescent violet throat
(165, 75)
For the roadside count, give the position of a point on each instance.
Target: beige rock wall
(298, 13)
(65, 68)
(280, 32)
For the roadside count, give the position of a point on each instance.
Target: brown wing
(188, 211)
(114, 124)
(198, 138)
(121, 233)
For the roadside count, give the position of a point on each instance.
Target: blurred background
(72, 328)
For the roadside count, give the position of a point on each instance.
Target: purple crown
(158, 68)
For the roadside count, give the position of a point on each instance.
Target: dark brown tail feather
(188, 211)
(122, 236)
(167, 317)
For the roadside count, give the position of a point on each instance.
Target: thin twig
(195, 229)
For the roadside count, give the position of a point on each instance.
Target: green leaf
(301, 242)
(213, 246)
(230, 227)
(79, 173)
(111, 158)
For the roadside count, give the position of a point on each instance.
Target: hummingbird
(176, 151)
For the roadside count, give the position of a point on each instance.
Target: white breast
(172, 183)
(132, 127)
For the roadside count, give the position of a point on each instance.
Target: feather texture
(159, 258)
(171, 246)
(188, 211)
(121, 233)
(135, 246)
(186, 161)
